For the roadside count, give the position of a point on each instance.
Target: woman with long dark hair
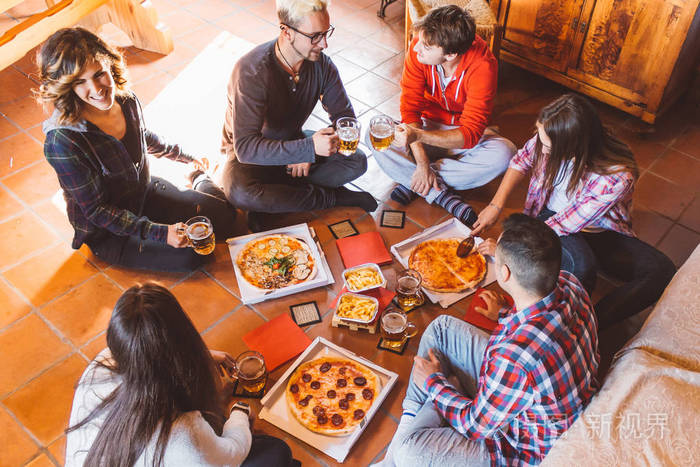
(154, 396)
(581, 183)
(97, 142)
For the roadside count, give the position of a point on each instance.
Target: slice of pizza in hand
(331, 395)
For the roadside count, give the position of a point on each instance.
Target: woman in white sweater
(154, 397)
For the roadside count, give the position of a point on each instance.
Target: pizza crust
(304, 415)
(442, 270)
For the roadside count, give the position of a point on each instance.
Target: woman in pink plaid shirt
(581, 183)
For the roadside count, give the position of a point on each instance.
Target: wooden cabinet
(636, 55)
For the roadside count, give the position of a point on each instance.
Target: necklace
(296, 73)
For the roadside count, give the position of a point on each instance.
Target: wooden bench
(138, 20)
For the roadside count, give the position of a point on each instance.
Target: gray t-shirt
(266, 108)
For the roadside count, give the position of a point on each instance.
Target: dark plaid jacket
(104, 189)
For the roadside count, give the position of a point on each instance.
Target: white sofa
(648, 409)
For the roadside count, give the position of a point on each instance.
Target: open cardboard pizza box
(251, 294)
(451, 228)
(275, 410)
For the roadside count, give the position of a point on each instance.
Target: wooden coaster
(393, 219)
(399, 351)
(305, 313)
(343, 229)
(240, 392)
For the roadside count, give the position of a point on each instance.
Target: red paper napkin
(384, 296)
(477, 319)
(278, 340)
(364, 248)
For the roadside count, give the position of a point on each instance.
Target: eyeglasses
(315, 37)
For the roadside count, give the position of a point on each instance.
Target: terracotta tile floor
(55, 302)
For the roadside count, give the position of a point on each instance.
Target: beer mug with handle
(408, 294)
(381, 132)
(396, 328)
(250, 371)
(200, 235)
(348, 130)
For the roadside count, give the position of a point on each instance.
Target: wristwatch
(242, 406)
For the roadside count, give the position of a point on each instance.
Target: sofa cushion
(645, 414)
(672, 330)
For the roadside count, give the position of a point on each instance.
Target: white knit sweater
(192, 441)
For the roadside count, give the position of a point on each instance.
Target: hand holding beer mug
(200, 235)
(348, 130)
(250, 371)
(381, 132)
(405, 135)
(408, 294)
(396, 328)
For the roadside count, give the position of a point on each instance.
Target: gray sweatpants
(459, 169)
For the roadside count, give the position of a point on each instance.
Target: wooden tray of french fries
(356, 311)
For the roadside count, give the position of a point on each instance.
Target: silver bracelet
(497, 207)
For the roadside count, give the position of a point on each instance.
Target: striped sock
(403, 195)
(453, 204)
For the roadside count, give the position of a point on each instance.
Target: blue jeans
(426, 438)
(459, 169)
(643, 270)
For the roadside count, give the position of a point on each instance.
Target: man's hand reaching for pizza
(423, 368)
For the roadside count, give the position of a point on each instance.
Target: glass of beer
(408, 294)
(396, 328)
(348, 130)
(200, 235)
(381, 132)
(250, 371)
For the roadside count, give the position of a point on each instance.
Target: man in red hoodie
(447, 92)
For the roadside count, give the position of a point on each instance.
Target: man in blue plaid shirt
(505, 398)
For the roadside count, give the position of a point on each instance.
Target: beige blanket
(648, 410)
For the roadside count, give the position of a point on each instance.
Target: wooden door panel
(628, 43)
(540, 30)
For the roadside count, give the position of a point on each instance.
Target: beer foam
(251, 367)
(393, 322)
(381, 130)
(348, 133)
(198, 231)
(408, 283)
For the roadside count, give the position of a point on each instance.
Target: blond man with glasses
(273, 166)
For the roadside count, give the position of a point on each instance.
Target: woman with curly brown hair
(97, 142)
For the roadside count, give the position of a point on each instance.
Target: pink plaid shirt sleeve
(598, 197)
(524, 159)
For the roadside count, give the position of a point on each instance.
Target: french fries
(362, 278)
(356, 307)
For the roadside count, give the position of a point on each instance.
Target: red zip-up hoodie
(467, 100)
